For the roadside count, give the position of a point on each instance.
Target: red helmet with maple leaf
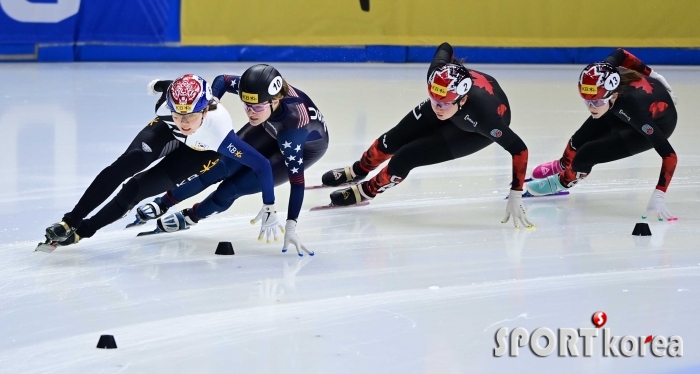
(449, 82)
(598, 81)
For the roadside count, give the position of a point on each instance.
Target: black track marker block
(641, 229)
(107, 342)
(224, 248)
(364, 4)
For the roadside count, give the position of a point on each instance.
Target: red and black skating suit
(421, 138)
(641, 118)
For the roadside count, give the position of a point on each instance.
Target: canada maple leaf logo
(501, 110)
(656, 108)
(481, 81)
(643, 84)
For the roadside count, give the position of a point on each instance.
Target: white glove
(663, 81)
(151, 88)
(290, 237)
(270, 224)
(516, 209)
(657, 204)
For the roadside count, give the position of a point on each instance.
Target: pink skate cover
(547, 169)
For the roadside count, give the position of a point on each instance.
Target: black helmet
(259, 84)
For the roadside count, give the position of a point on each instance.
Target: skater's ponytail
(628, 77)
(213, 104)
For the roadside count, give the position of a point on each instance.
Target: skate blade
(45, 247)
(528, 195)
(158, 231)
(331, 206)
(319, 186)
(135, 223)
(526, 180)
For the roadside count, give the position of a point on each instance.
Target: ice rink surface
(417, 282)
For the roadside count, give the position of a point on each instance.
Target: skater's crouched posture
(466, 112)
(632, 110)
(192, 131)
(285, 126)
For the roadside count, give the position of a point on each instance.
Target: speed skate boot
(365, 191)
(176, 221)
(546, 186)
(547, 169)
(73, 238)
(349, 196)
(152, 210)
(557, 166)
(374, 156)
(340, 176)
(59, 231)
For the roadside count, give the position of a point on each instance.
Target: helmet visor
(443, 105)
(597, 103)
(257, 108)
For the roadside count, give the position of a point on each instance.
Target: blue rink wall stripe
(389, 54)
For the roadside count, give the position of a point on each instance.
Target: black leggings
(151, 143)
(608, 139)
(427, 140)
(178, 167)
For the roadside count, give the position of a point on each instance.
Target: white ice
(417, 282)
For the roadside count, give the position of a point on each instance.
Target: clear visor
(189, 117)
(597, 103)
(443, 105)
(257, 108)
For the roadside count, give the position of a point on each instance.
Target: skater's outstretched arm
(443, 55)
(233, 147)
(646, 126)
(291, 145)
(493, 127)
(225, 83)
(621, 57)
(627, 60)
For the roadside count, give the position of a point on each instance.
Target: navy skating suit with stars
(293, 138)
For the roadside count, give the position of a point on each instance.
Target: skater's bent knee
(131, 162)
(128, 196)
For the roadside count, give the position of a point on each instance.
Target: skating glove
(663, 81)
(270, 224)
(657, 204)
(516, 209)
(290, 237)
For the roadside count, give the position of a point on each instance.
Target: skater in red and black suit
(632, 110)
(466, 111)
